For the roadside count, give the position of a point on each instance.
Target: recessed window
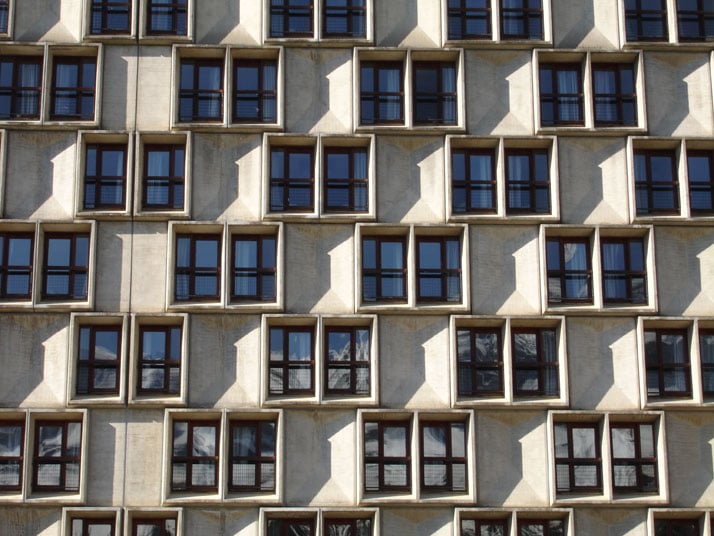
(473, 181)
(614, 97)
(561, 94)
(439, 269)
(676, 527)
(198, 267)
(348, 527)
(254, 268)
(291, 367)
(541, 527)
(12, 454)
(656, 183)
(479, 362)
(521, 19)
(695, 20)
(57, 456)
(469, 19)
(646, 20)
(4, 15)
(578, 466)
(701, 182)
(344, 18)
(105, 177)
(387, 458)
(153, 527)
(65, 273)
(164, 183)
(291, 18)
(634, 457)
(527, 181)
(384, 272)
(73, 88)
(706, 353)
(667, 363)
(443, 456)
(194, 455)
(569, 270)
(624, 274)
(345, 179)
(16, 258)
(291, 527)
(347, 366)
(487, 527)
(20, 87)
(292, 179)
(252, 456)
(201, 90)
(535, 362)
(381, 92)
(255, 91)
(166, 17)
(110, 17)
(93, 526)
(98, 360)
(159, 360)
(434, 93)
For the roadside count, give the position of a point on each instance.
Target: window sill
(192, 497)
(262, 498)
(165, 39)
(590, 309)
(174, 401)
(103, 214)
(11, 497)
(95, 400)
(277, 401)
(255, 307)
(188, 305)
(65, 305)
(162, 215)
(115, 39)
(55, 498)
(575, 130)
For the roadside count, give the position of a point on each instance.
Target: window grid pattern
(479, 362)
(153, 527)
(439, 269)
(345, 179)
(16, 258)
(73, 84)
(624, 274)
(443, 453)
(484, 527)
(344, 19)
(667, 363)
(291, 18)
(473, 181)
(93, 526)
(614, 96)
(164, 184)
(347, 367)
(292, 179)
(527, 181)
(57, 456)
(194, 456)
(4, 15)
(569, 270)
(656, 183)
(255, 93)
(98, 360)
(292, 360)
(469, 19)
(348, 527)
(105, 177)
(535, 362)
(646, 20)
(291, 527)
(561, 94)
(578, 463)
(381, 93)
(159, 360)
(12, 454)
(541, 527)
(201, 90)
(676, 527)
(166, 17)
(695, 20)
(252, 456)
(66, 266)
(435, 94)
(522, 19)
(20, 87)
(384, 272)
(387, 458)
(254, 268)
(634, 458)
(198, 267)
(706, 354)
(700, 165)
(110, 17)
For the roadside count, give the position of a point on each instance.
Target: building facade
(356, 267)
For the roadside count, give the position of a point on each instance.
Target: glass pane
(434, 438)
(204, 441)
(395, 441)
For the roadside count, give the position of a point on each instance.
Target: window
(701, 180)
(110, 17)
(434, 93)
(387, 460)
(20, 87)
(291, 18)
(166, 17)
(667, 363)
(624, 274)
(577, 457)
(646, 20)
(535, 362)
(16, 258)
(291, 527)
(676, 527)
(695, 20)
(634, 459)
(656, 184)
(348, 527)
(194, 455)
(381, 92)
(384, 273)
(443, 456)
(345, 179)
(291, 368)
(706, 353)
(473, 181)
(66, 266)
(345, 19)
(159, 360)
(12, 455)
(73, 91)
(105, 177)
(292, 179)
(98, 360)
(254, 268)
(469, 19)
(198, 267)
(347, 363)
(541, 527)
(201, 90)
(4, 15)
(56, 462)
(479, 362)
(569, 270)
(561, 94)
(252, 456)
(521, 19)
(153, 527)
(527, 181)
(164, 183)
(614, 97)
(255, 90)
(484, 527)
(439, 269)
(93, 526)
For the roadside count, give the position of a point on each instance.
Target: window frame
(540, 366)
(260, 271)
(543, 523)
(207, 59)
(100, 181)
(556, 97)
(526, 13)
(469, 182)
(165, 364)
(352, 11)
(564, 275)
(628, 273)
(662, 366)
(441, 97)
(380, 459)
(10, 420)
(287, 521)
(448, 461)
(193, 233)
(135, 516)
(90, 516)
(353, 364)
(284, 365)
(72, 270)
(379, 271)
(463, 14)
(572, 462)
(701, 17)
(259, 460)
(286, 183)
(649, 186)
(175, 14)
(6, 269)
(81, 90)
(261, 94)
(635, 15)
(377, 96)
(618, 96)
(443, 273)
(208, 420)
(474, 364)
(693, 186)
(173, 179)
(28, 56)
(351, 183)
(92, 364)
(638, 460)
(7, 7)
(102, 7)
(63, 422)
(283, 11)
(533, 185)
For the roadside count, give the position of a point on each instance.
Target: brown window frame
(104, 8)
(286, 11)
(618, 97)
(444, 274)
(287, 365)
(376, 96)
(541, 365)
(441, 97)
(71, 271)
(557, 98)
(701, 16)
(286, 523)
(544, 524)
(166, 364)
(524, 13)
(173, 182)
(638, 15)
(159, 523)
(261, 271)
(355, 524)
(379, 273)
(672, 526)
(657, 364)
(192, 271)
(449, 461)
(19, 93)
(638, 461)
(92, 363)
(88, 522)
(565, 275)
(461, 15)
(353, 365)
(7, 270)
(470, 368)
(78, 93)
(62, 461)
(178, 9)
(705, 187)
(197, 95)
(572, 462)
(4, 16)
(470, 185)
(348, 13)
(649, 187)
(628, 274)
(258, 460)
(351, 184)
(100, 181)
(532, 185)
(190, 459)
(287, 182)
(380, 460)
(707, 366)
(260, 94)
(483, 523)
(14, 460)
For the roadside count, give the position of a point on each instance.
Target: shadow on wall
(579, 28)
(690, 452)
(102, 443)
(223, 521)
(679, 252)
(109, 255)
(28, 521)
(228, 18)
(47, 18)
(405, 24)
(668, 92)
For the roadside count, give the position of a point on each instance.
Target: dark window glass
(706, 353)
(66, 266)
(16, 250)
(521, 19)
(57, 456)
(676, 527)
(479, 361)
(347, 367)
(614, 98)
(469, 19)
(381, 93)
(159, 360)
(252, 456)
(73, 84)
(541, 527)
(291, 527)
(110, 17)
(384, 273)
(255, 91)
(93, 526)
(561, 94)
(348, 527)
(166, 17)
(527, 181)
(164, 177)
(646, 20)
(198, 267)
(577, 457)
(484, 527)
(194, 456)
(701, 181)
(292, 179)
(12, 451)
(656, 184)
(634, 457)
(569, 270)
(695, 20)
(535, 362)
(201, 90)
(434, 93)
(344, 18)
(439, 269)
(98, 360)
(473, 181)
(345, 179)
(292, 360)
(20, 87)
(291, 18)
(4, 13)
(624, 275)
(667, 363)
(154, 527)
(254, 268)
(387, 459)
(443, 456)
(105, 177)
